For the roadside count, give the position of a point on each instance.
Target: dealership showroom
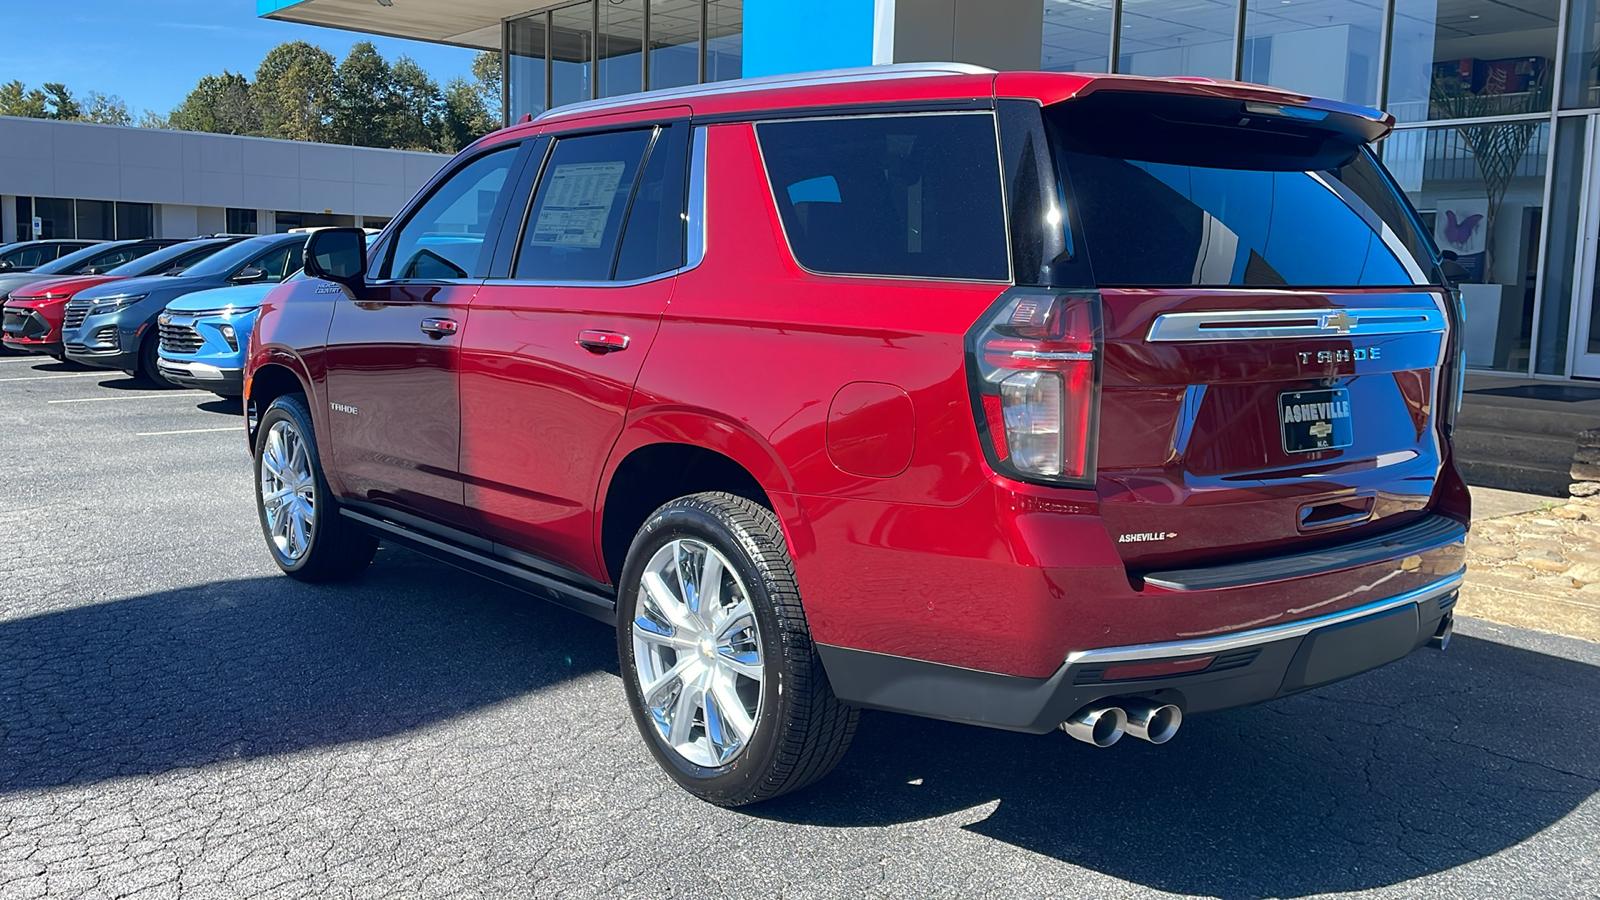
(725, 463)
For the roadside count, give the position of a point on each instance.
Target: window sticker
(578, 204)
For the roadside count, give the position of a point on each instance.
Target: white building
(74, 179)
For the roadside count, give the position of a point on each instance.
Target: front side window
(444, 237)
(279, 263)
(909, 195)
(26, 257)
(576, 218)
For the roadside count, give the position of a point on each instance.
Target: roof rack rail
(797, 79)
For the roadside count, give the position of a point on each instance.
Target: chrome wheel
(288, 489)
(697, 653)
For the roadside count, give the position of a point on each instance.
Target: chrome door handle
(439, 328)
(602, 341)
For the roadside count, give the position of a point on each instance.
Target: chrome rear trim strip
(1273, 324)
(1237, 639)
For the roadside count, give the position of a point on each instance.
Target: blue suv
(114, 326)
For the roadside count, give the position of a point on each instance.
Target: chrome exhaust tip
(1151, 721)
(1447, 628)
(1099, 724)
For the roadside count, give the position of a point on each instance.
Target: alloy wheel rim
(288, 490)
(697, 653)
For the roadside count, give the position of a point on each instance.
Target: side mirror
(6, 264)
(249, 275)
(338, 255)
(93, 270)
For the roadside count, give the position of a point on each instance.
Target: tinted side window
(117, 257)
(28, 257)
(652, 242)
(914, 195)
(572, 228)
(279, 263)
(444, 237)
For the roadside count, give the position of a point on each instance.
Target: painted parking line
(162, 396)
(48, 377)
(187, 431)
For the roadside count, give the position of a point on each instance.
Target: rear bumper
(1217, 671)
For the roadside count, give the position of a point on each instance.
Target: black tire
(336, 548)
(801, 729)
(149, 353)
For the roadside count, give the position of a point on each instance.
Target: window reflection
(1077, 36)
(525, 84)
(1458, 59)
(1581, 82)
(1178, 37)
(571, 53)
(674, 43)
(1326, 48)
(620, 42)
(724, 39)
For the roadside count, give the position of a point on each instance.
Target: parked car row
(173, 311)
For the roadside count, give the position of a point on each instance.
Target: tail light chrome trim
(1275, 324)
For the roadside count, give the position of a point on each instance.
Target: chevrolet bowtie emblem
(1320, 430)
(1340, 321)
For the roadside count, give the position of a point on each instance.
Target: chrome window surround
(1273, 324)
(772, 191)
(1235, 640)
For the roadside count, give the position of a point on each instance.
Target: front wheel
(721, 674)
(308, 538)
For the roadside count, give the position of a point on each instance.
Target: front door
(554, 351)
(392, 379)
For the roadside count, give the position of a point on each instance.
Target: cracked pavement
(177, 719)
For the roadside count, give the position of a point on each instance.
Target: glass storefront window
(1077, 36)
(674, 43)
(724, 39)
(1480, 188)
(620, 43)
(95, 220)
(1459, 59)
(1580, 86)
(55, 218)
(524, 54)
(571, 53)
(1326, 48)
(1178, 37)
(1566, 203)
(138, 220)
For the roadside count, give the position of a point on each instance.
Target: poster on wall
(1461, 227)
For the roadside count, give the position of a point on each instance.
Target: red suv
(1025, 400)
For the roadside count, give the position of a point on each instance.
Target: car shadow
(228, 406)
(1430, 763)
(252, 667)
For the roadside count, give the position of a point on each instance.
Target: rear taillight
(1034, 365)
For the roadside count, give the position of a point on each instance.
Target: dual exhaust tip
(1104, 723)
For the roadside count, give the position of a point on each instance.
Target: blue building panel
(782, 36)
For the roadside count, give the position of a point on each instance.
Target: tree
(294, 91)
(413, 108)
(472, 108)
(362, 88)
(62, 106)
(17, 100)
(107, 109)
(220, 104)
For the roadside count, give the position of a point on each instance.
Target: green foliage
(301, 92)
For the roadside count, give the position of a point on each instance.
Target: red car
(1025, 400)
(33, 314)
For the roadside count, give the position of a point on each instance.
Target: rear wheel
(308, 538)
(721, 675)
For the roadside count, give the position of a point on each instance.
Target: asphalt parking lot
(177, 719)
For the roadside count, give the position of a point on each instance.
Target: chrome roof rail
(797, 79)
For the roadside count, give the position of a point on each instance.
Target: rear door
(1274, 333)
(554, 350)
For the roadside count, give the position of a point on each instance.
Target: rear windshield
(902, 195)
(1157, 219)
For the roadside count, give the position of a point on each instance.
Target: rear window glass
(908, 195)
(1169, 224)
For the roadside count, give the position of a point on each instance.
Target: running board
(590, 603)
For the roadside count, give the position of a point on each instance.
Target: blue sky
(151, 52)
